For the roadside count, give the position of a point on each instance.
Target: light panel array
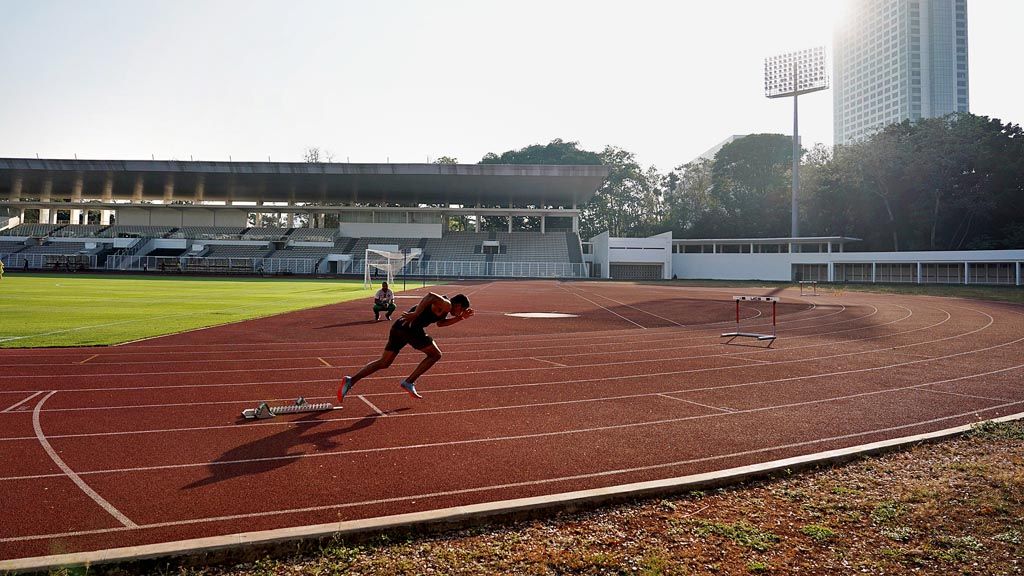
(811, 73)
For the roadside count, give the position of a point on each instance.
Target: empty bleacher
(208, 232)
(265, 234)
(55, 248)
(313, 234)
(77, 231)
(36, 230)
(7, 247)
(135, 231)
(235, 251)
(314, 252)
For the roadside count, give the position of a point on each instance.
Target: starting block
(266, 411)
(761, 337)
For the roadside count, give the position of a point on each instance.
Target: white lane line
(69, 472)
(549, 362)
(633, 307)
(371, 405)
(16, 404)
(781, 362)
(578, 295)
(738, 357)
(621, 340)
(962, 395)
(537, 482)
(469, 342)
(534, 435)
(726, 410)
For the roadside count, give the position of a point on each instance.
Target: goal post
(386, 262)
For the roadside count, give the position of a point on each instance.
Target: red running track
(142, 443)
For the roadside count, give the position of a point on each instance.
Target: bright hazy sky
(373, 81)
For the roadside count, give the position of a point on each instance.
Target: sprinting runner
(410, 329)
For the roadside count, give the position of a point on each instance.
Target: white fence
(308, 266)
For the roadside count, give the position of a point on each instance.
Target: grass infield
(39, 310)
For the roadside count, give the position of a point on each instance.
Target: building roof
(328, 183)
(799, 240)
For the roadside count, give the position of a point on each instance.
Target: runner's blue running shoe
(411, 389)
(345, 387)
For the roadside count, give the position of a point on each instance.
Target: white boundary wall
(778, 267)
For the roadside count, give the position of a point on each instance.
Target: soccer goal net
(383, 265)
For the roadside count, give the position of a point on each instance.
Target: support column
(478, 223)
(873, 264)
(542, 226)
(291, 215)
(44, 196)
(107, 196)
(169, 190)
(137, 189)
(576, 224)
(967, 273)
(16, 187)
(918, 272)
(831, 276)
(320, 220)
(76, 196)
(1018, 271)
(509, 223)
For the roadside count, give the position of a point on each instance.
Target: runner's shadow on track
(353, 323)
(278, 450)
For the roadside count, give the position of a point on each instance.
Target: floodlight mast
(778, 84)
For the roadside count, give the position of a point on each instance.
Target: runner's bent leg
(433, 355)
(385, 360)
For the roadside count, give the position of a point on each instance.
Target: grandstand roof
(334, 183)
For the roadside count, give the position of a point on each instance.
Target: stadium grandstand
(210, 217)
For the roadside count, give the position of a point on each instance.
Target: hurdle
(808, 287)
(266, 411)
(761, 337)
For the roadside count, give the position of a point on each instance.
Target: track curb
(252, 545)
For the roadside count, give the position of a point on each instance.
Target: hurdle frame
(760, 337)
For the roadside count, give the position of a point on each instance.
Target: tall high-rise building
(895, 60)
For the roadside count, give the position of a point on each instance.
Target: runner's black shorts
(401, 335)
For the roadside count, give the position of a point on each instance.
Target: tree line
(948, 183)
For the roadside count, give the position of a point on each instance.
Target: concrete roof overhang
(406, 184)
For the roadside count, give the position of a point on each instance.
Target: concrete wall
(600, 253)
(181, 217)
(778, 267)
(653, 250)
(381, 230)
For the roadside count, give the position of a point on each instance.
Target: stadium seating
(208, 232)
(235, 251)
(139, 231)
(301, 252)
(11, 247)
(30, 230)
(313, 234)
(55, 248)
(77, 231)
(265, 234)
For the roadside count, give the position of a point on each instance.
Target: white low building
(822, 259)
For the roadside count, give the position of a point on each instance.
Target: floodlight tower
(792, 74)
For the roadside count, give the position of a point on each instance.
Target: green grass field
(71, 310)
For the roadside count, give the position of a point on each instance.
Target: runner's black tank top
(426, 318)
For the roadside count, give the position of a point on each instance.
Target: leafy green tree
(446, 160)
(555, 152)
(751, 187)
